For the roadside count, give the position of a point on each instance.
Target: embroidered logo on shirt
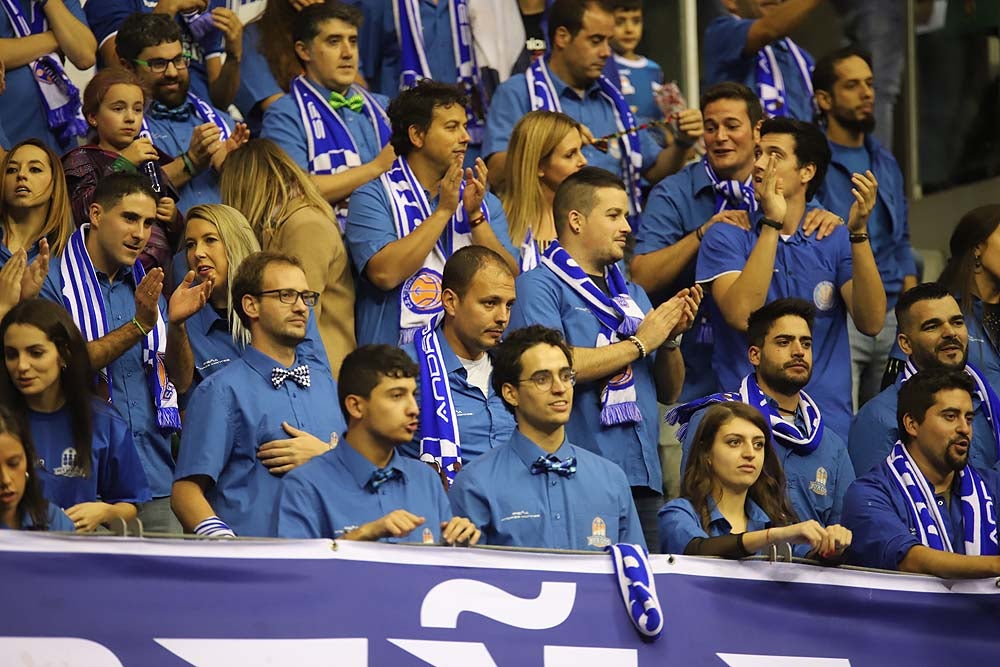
(521, 514)
(68, 467)
(334, 440)
(599, 536)
(819, 485)
(343, 531)
(428, 536)
(422, 292)
(823, 295)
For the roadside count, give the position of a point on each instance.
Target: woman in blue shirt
(733, 501)
(22, 505)
(86, 460)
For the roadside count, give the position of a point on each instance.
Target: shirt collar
(561, 86)
(529, 452)
(206, 319)
(361, 469)
(755, 515)
(799, 420)
(263, 364)
(325, 92)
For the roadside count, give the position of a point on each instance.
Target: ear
(904, 343)
(562, 38)
(126, 64)
(753, 354)
(756, 131)
(92, 120)
(574, 221)
(509, 394)
(355, 406)
(910, 424)
(251, 306)
(302, 51)
(824, 101)
(807, 173)
(450, 301)
(95, 212)
(416, 136)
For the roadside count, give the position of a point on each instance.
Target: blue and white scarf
(785, 433)
(413, 56)
(84, 300)
(59, 96)
(619, 316)
(543, 95)
(637, 587)
(529, 252)
(977, 506)
(771, 83)
(332, 149)
(420, 295)
(202, 109)
(440, 441)
(984, 392)
(731, 194)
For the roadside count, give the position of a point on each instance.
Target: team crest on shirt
(68, 467)
(622, 379)
(422, 292)
(428, 536)
(823, 295)
(334, 439)
(626, 87)
(818, 486)
(599, 533)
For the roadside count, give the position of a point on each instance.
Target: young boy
(640, 76)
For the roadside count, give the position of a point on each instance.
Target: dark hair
(811, 146)
(307, 22)
(363, 369)
(112, 188)
(465, 263)
(761, 320)
(959, 273)
(76, 381)
(627, 5)
(576, 193)
(33, 504)
(914, 295)
(916, 395)
(569, 14)
(507, 355)
(824, 74)
(250, 276)
(768, 491)
(415, 106)
(139, 31)
(730, 90)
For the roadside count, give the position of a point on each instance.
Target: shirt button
(553, 482)
(129, 374)
(132, 403)
(941, 502)
(557, 516)
(118, 317)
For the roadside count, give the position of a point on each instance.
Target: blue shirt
(804, 268)
(54, 517)
(283, 125)
(723, 60)
(516, 508)
(983, 352)
(435, 19)
(106, 17)
(116, 474)
(22, 111)
(888, 226)
(52, 286)
(484, 422)
(256, 81)
(639, 80)
(875, 430)
(231, 414)
(173, 136)
(544, 299)
(331, 495)
(877, 513)
(511, 101)
(371, 227)
(816, 483)
(677, 206)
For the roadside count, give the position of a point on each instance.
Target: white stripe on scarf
(440, 439)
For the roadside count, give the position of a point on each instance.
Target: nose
(604, 50)
(748, 452)
(6, 477)
(412, 408)
(964, 427)
(581, 161)
(22, 362)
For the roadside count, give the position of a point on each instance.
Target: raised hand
(772, 191)
(36, 272)
(865, 191)
(475, 188)
(139, 151)
(188, 298)
(147, 297)
(11, 280)
(821, 221)
(448, 188)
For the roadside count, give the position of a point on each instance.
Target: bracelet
(859, 237)
(767, 536)
(700, 232)
(475, 222)
(188, 164)
(639, 346)
(740, 546)
(213, 526)
(774, 224)
(139, 327)
(673, 343)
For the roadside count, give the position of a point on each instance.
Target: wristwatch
(771, 223)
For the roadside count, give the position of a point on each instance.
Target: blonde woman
(545, 148)
(289, 215)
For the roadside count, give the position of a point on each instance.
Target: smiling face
(13, 477)
(794, 178)
(118, 234)
(541, 410)
(27, 182)
(934, 334)
(119, 117)
(170, 87)
(206, 254)
(737, 455)
(729, 138)
(784, 363)
(331, 58)
(446, 139)
(33, 364)
(941, 439)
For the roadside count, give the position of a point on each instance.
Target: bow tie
(550, 463)
(381, 476)
(354, 102)
(299, 375)
(181, 113)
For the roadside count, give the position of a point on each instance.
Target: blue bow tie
(383, 475)
(181, 113)
(299, 375)
(551, 463)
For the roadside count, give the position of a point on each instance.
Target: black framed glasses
(290, 296)
(543, 379)
(159, 65)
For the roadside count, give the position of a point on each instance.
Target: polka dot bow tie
(299, 375)
(381, 476)
(553, 464)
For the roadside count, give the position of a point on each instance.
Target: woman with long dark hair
(22, 505)
(733, 501)
(86, 461)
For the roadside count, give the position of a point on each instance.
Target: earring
(979, 263)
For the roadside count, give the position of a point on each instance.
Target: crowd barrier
(108, 602)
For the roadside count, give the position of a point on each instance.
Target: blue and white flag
(440, 440)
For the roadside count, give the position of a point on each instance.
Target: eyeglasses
(290, 296)
(543, 379)
(159, 65)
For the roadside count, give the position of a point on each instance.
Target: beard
(781, 382)
(865, 125)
